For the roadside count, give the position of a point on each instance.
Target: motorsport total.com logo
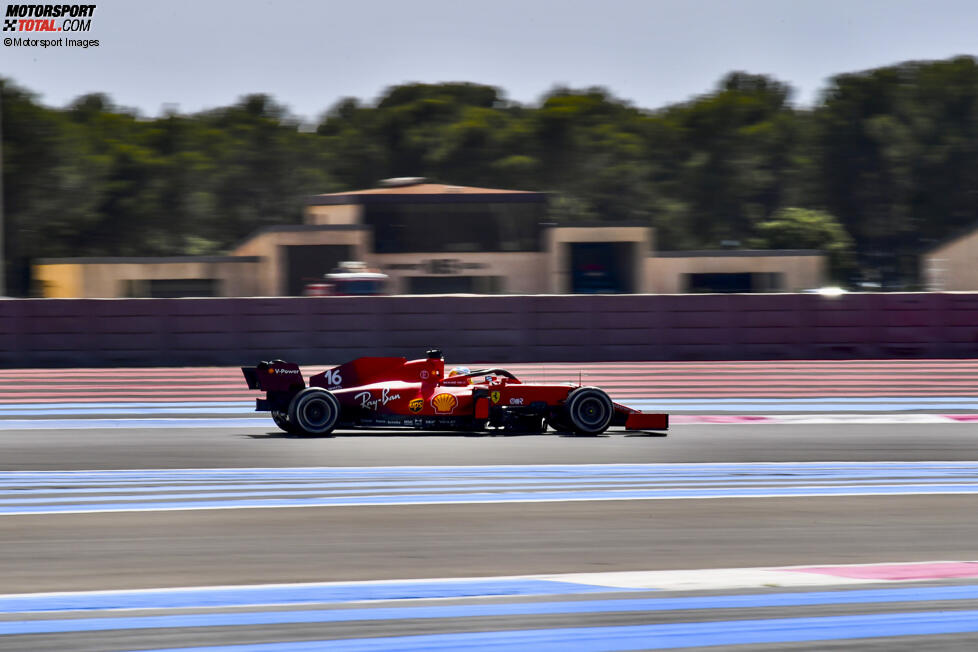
(44, 20)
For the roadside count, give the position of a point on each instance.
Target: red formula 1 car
(395, 392)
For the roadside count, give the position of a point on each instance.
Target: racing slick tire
(314, 411)
(589, 410)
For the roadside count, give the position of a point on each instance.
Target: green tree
(801, 228)
(891, 153)
(735, 150)
(898, 159)
(49, 183)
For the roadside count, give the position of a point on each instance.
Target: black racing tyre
(589, 410)
(314, 411)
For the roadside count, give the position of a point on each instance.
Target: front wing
(633, 419)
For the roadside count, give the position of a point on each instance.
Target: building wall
(953, 266)
(558, 263)
(62, 281)
(522, 272)
(334, 214)
(664, 275)
(108, 280)
(528, 272)
(543, 272)
(271, 276)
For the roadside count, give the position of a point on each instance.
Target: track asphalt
(117, 486)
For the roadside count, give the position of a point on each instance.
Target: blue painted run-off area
(649, 637)
(265, 596)
(54, 492)
(240, 596)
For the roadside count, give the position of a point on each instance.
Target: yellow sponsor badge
(444, 403)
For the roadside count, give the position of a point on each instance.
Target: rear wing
(274, 376)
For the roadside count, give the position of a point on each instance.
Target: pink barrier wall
(139, 332)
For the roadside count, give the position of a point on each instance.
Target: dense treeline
(884, 166)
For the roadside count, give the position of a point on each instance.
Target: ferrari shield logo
(415, 405)
(495, 397)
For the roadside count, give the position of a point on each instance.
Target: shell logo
(444, 403)
(415, 405)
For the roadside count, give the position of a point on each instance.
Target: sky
(193, 55)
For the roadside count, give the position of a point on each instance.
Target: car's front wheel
(314, 411)
(589, 410)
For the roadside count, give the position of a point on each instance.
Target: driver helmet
(459, 371)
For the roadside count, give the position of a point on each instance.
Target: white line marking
(668, 580)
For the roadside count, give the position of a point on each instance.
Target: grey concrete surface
(231, 547)
(269, 447)
(216, 547)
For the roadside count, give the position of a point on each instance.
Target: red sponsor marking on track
(119, 387)
(143, 391)
(693, 382)
(720, 377)
(202, 394)
(800, 366)
(650, 395)
(650, 380)
(930, 571)
(665, 389)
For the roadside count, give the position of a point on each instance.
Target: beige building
(180, 276)
(293, 256)
(952, 265)
(734, 270)
(435, 238)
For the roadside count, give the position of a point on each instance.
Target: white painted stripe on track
(812, 419)
(653, 580)
(264, 423)
(780, 576)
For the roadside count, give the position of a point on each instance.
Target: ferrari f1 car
(396, 392)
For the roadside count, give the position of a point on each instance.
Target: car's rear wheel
(589, 410)
(314, 411)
